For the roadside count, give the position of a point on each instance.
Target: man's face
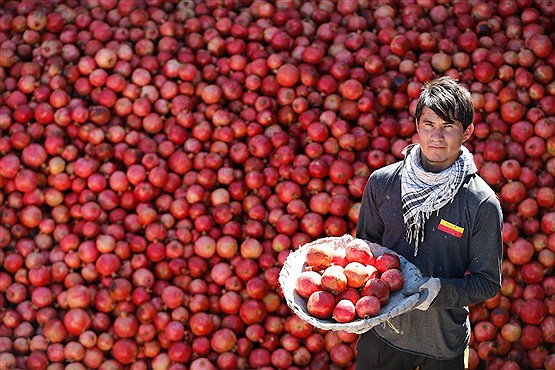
(440, 141)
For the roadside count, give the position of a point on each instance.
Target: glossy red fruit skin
(321, 304)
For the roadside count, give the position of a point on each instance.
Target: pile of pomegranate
(161, 158)
(346, 283)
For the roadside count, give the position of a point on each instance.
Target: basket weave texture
(397, 304)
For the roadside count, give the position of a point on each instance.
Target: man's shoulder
(388, 171)
(385, 177)
(479, 185)
(480, 190)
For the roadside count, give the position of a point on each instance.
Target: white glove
(428, 288)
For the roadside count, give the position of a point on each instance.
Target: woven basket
(397, 304)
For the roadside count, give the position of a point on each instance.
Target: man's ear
(468, 132)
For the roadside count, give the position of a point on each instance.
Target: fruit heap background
(160, 159)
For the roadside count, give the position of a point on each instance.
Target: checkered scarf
(424, 192)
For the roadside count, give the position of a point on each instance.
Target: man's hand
(427, 287)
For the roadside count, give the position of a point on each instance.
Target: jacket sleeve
(483, 279)
(370, 226)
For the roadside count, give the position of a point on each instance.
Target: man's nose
(437, 133)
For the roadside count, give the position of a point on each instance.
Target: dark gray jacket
(468, 265)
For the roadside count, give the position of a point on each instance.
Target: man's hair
(448, 99)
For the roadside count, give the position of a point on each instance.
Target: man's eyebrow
(425, 119)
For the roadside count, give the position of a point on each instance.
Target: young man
(433, 209)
